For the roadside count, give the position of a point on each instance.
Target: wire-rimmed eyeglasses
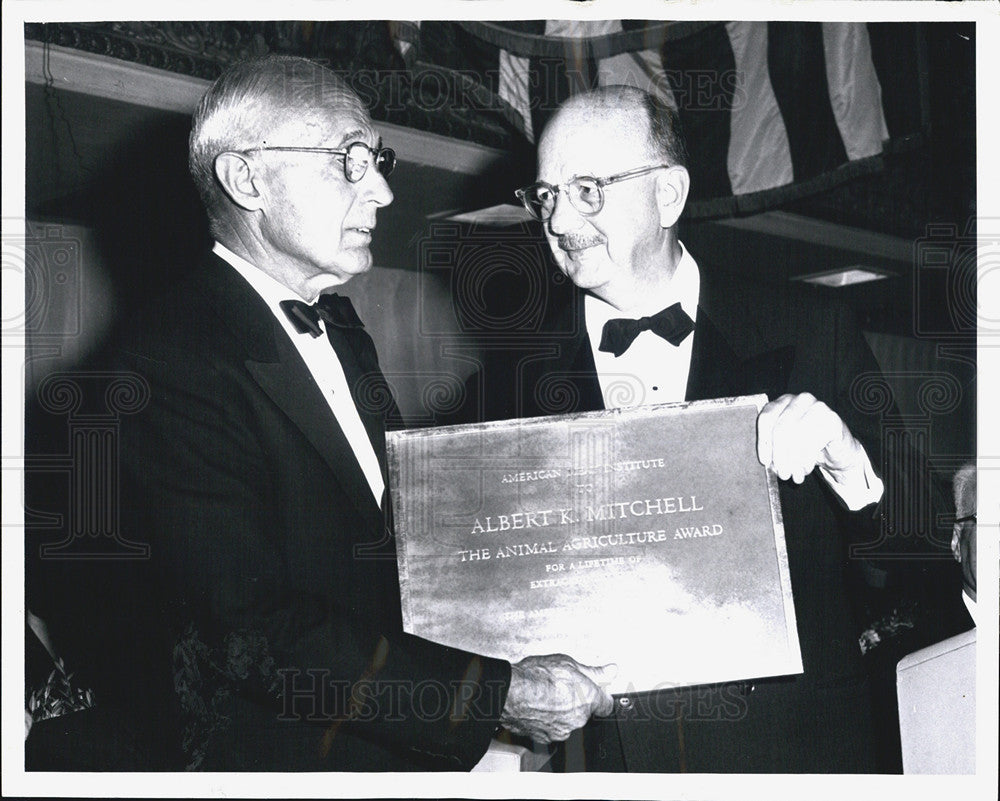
(357, 157)
(585, 192)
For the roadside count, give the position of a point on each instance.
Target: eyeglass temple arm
(602, 182)
(624, 176)
(333, 150)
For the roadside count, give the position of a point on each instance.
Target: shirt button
(624, 702)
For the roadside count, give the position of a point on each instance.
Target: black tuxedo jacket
(747, 340)
(271, 592)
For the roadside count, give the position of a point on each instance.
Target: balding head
(645, 118)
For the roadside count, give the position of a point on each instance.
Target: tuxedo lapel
(292, 388)
(579, 364)
(715, 368)
(277, 368)
(717, 372)
(557, 375)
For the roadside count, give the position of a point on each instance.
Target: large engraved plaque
(648, 537)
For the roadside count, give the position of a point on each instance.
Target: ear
(956, 542)
(671, 194)
(235, 174)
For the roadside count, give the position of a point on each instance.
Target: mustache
(570, 242)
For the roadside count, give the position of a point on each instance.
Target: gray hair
(238, 110)
(965, 490)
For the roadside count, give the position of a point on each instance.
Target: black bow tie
(333, 309)
(673, 324)
(355, 350)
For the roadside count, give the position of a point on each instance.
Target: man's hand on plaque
(552, 696)
(797, 433)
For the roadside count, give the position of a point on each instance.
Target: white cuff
(857, 487)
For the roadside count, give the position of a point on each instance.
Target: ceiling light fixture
(846, 276)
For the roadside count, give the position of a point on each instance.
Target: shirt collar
(270, 289)
(683, 288)
(971, 606)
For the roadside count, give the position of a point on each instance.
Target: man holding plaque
(649, 326)
(254, 468)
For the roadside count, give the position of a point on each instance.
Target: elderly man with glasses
(256, 473)
(648, 324)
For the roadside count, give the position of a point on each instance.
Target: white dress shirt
(322, 363)
(651, 370)
(654, 371)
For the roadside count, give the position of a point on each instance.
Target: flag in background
(771, 110)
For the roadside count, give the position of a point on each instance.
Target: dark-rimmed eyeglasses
(357, 157)
(585, 192)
